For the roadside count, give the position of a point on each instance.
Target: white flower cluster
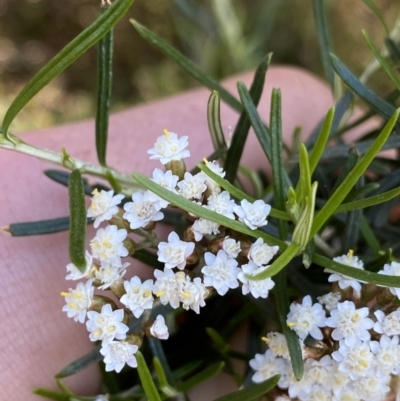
(177, 284)
(357, 353)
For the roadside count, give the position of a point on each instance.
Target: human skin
(37, 338)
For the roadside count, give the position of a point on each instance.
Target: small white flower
(192, 293)
(392, 270)
(191, 187)
(203, 227)
(103, 206)
(174, 252)
(306, 318)
(117, 354)
(277, 344)
(108, 274)
(78, 301)
(167, 287)
(261, 253)
(138, 295)
(231, 247)
(266, 365)
(345, 394)
(319, 393)
(75, 273)
(169, 147)
(101, 398)
(345, 281)
(254, 215)
(107, 325)
(221, 203)
(159, 329)
(168, 181)
(330, 300)
(108, 245)
(350, 323)
(387, 355)
(356, 360)
(371, 388)
(389, 325)
(220, 272)
(257, 288)
(211, 184)
(142, 210)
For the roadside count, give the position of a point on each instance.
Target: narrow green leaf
(205, 213)
(241, 131)
(77, 230)
(324, 39)
(322, 139)
(81, 363)
(104, 87)
(255, 180)
(377, 11)
(282, 306)
(237, 193)
(375, 102)
(346, 186)
(392, 74)
(66, 57)
(52, 395)
(304, 188)
(280, 263)
(214, 121)
(39, 227)
(146, 380)
(158, 352)
(253, 392)
(165, 387)
(358, 274)
(280, 187)
(190, 67)
(261, 131)
(367, 202)
(201, 377)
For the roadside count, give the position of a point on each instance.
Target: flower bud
(188, 235)
(130, 245)
(134, 339)
(120, 222)
(193, 259)
(245, 246)
(216, 244)
(384, 296)
(99, 301)
(117, 287)
(177, 167)
(368, 293)
(156, 328)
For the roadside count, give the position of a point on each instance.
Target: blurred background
(222, 36)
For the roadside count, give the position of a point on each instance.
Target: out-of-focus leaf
(392, 74)
(253, 392)
(186, 64)
(324, 39)
(393, 49)
(377, 11)
(239, 136)
(214, 121)
(282, 305)
(165, 387)
(72, 51)
(205, 213)
(77, 230)
(383, 108)
(369, 236)
(201, 377)
(348, 183)
(146, 380)
(104, 86)
(358, 274)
